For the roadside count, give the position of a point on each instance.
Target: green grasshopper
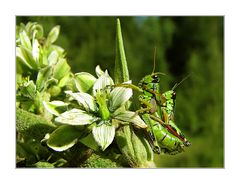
(161, 133)
(166, 134)
(167, 109)
(168, 101)
(157, 110)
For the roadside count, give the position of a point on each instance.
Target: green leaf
(121, 69)
(30, 150)
(75, 117)
(90, 142)
(21, 153)
(55, 107)
(84, 81)
(57, 48)
(43, 76)
(29, 90)
(60, 162)
(53, 57)
(42, 164)
(43, 57)
(61, 69)
(63, 138)
(25, 56)
(53, 35)
(63, 82)
(36, 30)
(21, 66)
(103, 135)
(51, 81)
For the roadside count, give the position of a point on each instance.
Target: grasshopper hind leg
(153, 143)
(156, 149)
(150, 134)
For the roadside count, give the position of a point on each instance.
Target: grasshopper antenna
(154, 59)
(177, 84)
(154, 62)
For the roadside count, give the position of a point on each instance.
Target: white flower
(102, 107)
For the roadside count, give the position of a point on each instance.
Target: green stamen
(102, 102)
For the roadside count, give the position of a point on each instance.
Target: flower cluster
(104, 107)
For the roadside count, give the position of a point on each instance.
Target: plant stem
(121, 70)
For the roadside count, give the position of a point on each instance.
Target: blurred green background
(185, 45)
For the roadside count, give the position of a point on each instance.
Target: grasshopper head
(152, 78)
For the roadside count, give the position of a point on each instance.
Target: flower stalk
(135, 148)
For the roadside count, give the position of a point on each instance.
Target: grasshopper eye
(174, 95)
(155, 78)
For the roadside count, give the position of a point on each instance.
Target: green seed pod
(134, 147)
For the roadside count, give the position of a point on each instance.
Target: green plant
(42, 69)
(42, 75)
(102, 112)
(92, 116)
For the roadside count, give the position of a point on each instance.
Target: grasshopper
(157, 111)
(167, 109)
(158, 114)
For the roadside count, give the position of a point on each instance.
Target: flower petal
(61, 69)
(119, 96)
(84, 99)
(25, 41)
(53, 57)
(103, 135)
(99, 71)
(103, 81)
(35, 49)
(75, 117)
(54, 106)
(130, 116)
(43, 76)
(84, 81)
